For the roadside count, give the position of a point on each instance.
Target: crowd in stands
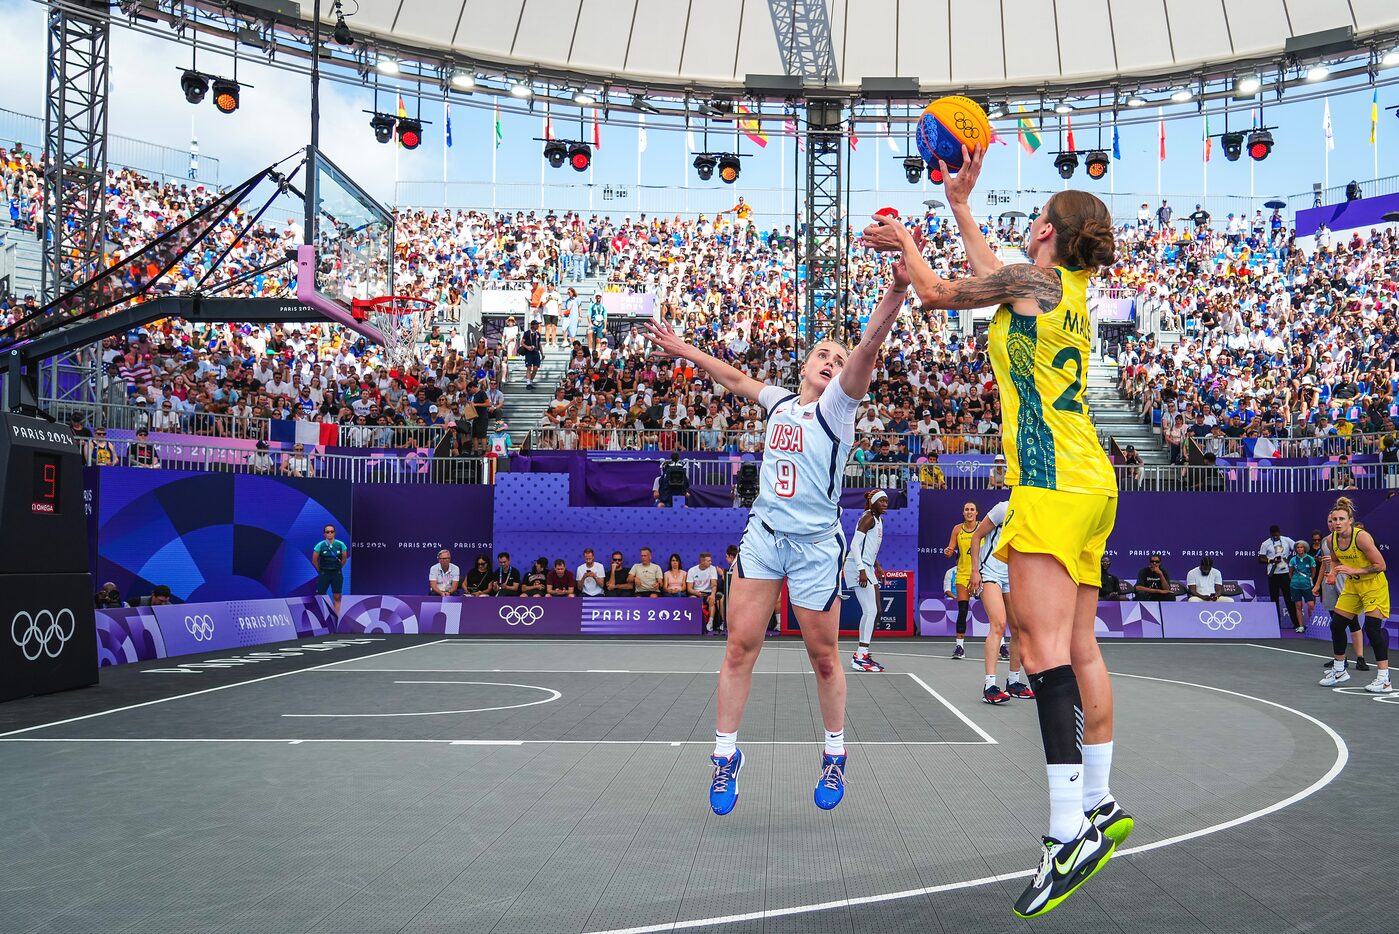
(1250, 344)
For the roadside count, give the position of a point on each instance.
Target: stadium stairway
(1116, 418)
(525, 407)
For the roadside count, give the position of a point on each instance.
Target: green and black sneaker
(1112, 820)
(1063, 868)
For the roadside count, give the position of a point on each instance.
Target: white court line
(549, 671)
(957, 713)
(222, 687)
(554, 695)
(1342, 757)
(488, 742)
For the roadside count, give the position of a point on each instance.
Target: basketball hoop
(401, 319)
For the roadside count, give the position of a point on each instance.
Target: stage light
(388, 66)
(555, 152)
(225, 95)
(1066, 163)
(1317, 73)
(464, 80)
(383, 125)
(1247, 85)
(584, 99)
(704, 166)
(1096, 164)
(342, 31)
(1260, 144)
(913, 169)
(194, 85)
(1136, 100)
(580, 156)
(1181, 95)
(995, 111)
(729, 169)
(1390, 58)
(410, 133)
(520, 89)
(1063, 109)
(1233, 146)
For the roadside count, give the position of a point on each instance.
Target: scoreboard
(895, 612)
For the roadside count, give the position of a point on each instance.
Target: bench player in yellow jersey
(1355, 555)
(1062, 505)
(959, 545)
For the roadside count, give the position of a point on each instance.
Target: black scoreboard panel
(48, 636)
(41, 498)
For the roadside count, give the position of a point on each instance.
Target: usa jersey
(804, 455)
(868, 553)
(994, 568)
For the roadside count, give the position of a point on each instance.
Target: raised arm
(859, 368)
(1029, 289)
(740, 383)
(958, 189)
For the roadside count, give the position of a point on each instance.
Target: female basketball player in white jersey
(863, 574)
(793, 532)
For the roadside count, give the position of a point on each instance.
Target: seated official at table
(1204, 583)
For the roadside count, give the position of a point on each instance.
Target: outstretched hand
(959, 186)
(885, 235)
(902, 279)
(664, 338)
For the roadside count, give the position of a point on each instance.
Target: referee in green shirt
(329, 557)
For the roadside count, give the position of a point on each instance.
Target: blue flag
(1116, 146)
(449, 126)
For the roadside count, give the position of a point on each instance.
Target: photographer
(107, 598)
(672, 482)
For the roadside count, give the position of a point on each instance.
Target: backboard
(350, 250)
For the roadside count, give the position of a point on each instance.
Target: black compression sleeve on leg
(962, 606)
(1061, 715)
(1340, 633)
(1379, 639)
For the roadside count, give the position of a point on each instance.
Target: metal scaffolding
(823, 243)
(75, 170)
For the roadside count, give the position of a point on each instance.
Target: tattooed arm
(1030, 290)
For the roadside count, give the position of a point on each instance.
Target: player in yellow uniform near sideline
(1365, 590)
(1062, 505)
(960, 545)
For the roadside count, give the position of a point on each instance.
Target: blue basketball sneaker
(723, 791)
(831, 788)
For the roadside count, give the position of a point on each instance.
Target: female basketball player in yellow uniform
(1365, 590)
(1062, 505)
(960, 545)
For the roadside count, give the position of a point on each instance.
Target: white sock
(959, 643)
(863, 650)
(1013, 676)
(1097, 763)
(1065, 801)
(1339, 666)
(835, 743)
(1383, 675)
(990, 680)
(725, 744)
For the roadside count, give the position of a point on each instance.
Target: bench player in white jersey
(793, 533)
(863, 574)
(990, 582)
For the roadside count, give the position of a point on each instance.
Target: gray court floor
(548, 786)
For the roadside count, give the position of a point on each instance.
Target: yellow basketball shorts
(1073, 527)
(1369, 596)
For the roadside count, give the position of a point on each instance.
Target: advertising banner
(504, 302)
(895, 612)
(1219, 620)
(144, 633)
(399, 529)
(937, 616)
(629, 304)
(505, 616)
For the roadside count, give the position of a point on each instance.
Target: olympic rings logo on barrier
(521, 615)
(201, 626)
(42, 633)
(1217, 620)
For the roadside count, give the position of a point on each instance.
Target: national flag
(548, 124)
(889, 137)
(1326, 127)
(402, 113)
(1070, 122)
(790, 128)
(690, 143)
(641, 135)
(286, 431)
(1374, 115)
(854, 140)
(1028, 133)
(449, 126)
(1116, 144)
(597, 132)
(752, 128)
(1209, 143)
(499, 134)
(1161, 138)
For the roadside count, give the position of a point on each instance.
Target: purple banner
(937, 616)
(1219, 620)
(629, 304)
(399, 529)
(504, 616)
(1115, 309)
(143, 633)
(1347, 215)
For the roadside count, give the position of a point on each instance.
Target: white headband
(878, 495)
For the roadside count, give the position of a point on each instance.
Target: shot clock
(48, 636)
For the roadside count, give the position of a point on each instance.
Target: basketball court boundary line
(1342, 758)
(221, 687)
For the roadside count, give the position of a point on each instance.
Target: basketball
(948, 124)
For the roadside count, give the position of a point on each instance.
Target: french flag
(315, 434)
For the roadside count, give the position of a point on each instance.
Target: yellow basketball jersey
(1352, 557)
(964, 551)
(1040, 364)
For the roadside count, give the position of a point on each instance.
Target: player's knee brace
(962, 606)
(1379, 639)
(1340, 633)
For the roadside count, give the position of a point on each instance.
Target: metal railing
(411, 466)
(743, 441)
(1294, 448)
(1217, 479)
(162, 162)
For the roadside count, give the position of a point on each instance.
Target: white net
(403, 326)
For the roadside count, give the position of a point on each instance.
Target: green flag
(1028, 137)
(499, 134)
